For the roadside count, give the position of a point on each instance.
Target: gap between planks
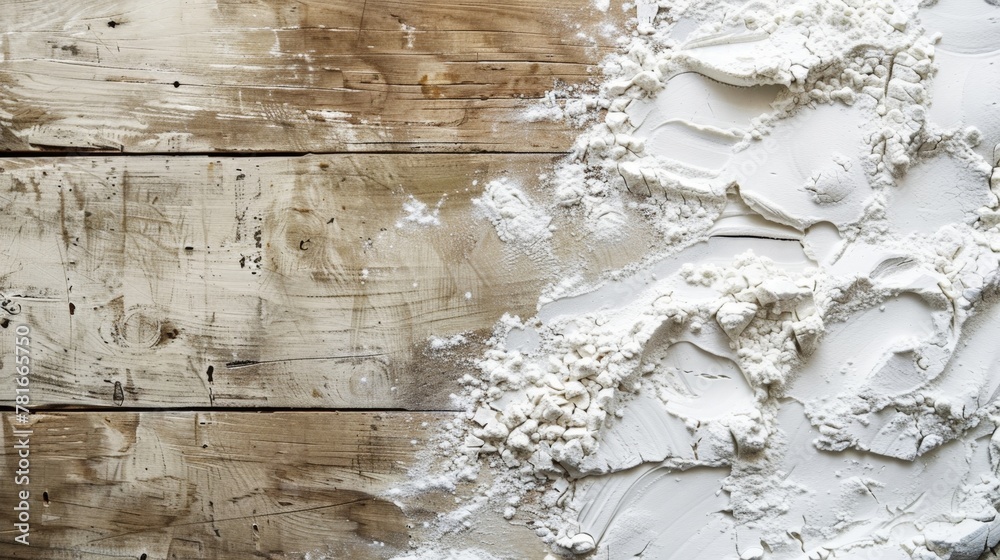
(265, 154)
(250, 410)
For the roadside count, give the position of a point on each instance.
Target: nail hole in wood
(177, 84)
(119, 395)
(112, 24)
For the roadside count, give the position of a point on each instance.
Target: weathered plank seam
(60, 409)
(414, 151)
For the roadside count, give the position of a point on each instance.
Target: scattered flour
(448, 554)
(417, 213)
(439, 343)
(515, 217)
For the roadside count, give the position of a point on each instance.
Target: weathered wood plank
(282, 75)
(252, 282)
(217, 485)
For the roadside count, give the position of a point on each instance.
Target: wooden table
(227, 331)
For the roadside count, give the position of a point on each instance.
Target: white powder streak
(417, 213)
(515, 217)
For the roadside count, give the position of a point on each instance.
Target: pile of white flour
(803, 366)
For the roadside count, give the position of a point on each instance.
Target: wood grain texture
(187, 485)
(183, 285)
(253, 282)
(302, 76)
